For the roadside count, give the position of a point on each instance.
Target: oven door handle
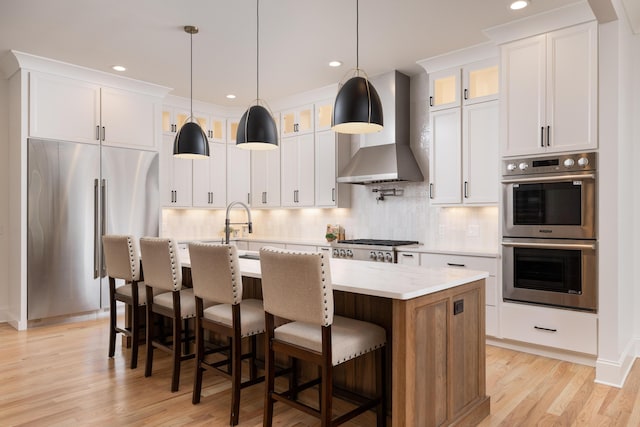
(549, 178)
(591, 246)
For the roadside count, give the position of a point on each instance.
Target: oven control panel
(549, 164)
(364, 254)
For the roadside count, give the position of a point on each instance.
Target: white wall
(4, 197)
(406, 217)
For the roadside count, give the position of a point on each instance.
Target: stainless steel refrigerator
(77, 193)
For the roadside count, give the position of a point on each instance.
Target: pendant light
(191, 142)
(357, 108)
(257, 129)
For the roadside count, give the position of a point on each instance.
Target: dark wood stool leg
(112, 317)
(176, 345)
(197, 380)
(135, 335)
(236, 365)
(269, 372)
(326, 387)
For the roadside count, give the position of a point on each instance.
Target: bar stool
(297, 286)
(123, 263)
(166, 298)
(215, 272)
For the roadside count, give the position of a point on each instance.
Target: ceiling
(297, 38)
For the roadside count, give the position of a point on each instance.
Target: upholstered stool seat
(297, 286)
(187, 302)
(123, 267)
(216, 277)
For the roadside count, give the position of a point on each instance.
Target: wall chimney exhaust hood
(385, 156)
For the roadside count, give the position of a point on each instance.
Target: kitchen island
(434, 320)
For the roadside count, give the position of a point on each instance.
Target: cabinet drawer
(569, 330)
(408, 258)
(256, 246)
(462, 261)
(302, 248)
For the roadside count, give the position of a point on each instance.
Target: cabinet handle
(431, 101)
(466, 94)
(540, 328)
(466, 189)
(98, 133)
(104, 133)
(542, 136)
(408, 255)
(431, 190)
(548, 136)
(453, 264)
(333, 194)
(264, 197)
(248, 198)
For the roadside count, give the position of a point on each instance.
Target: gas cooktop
(378, 242)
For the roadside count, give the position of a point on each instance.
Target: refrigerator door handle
(96, 230)
(103, 224)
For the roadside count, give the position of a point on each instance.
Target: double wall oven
(549, 231)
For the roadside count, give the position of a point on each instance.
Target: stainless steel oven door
(550, 206)
(561, 273)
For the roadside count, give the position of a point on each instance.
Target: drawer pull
(540, 328)
(408, 255)
(452, 264)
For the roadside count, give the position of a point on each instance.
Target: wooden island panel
(439, 359)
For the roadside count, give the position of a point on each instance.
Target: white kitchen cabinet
(175, 177)
(232, 130)
(297, 121)
(445, 158)
(74, 110)
(238, 167)
(464, 160)
(488, 264)
(323, 111)
(409, 258)
(297, 166)
(473, 83)
(480, 153)
(210, 178)
(551, 327)
(301, 248)
(173, 118)
(256, 246)
(549, 86)
(265, 178)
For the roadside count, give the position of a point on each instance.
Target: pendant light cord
(358, 36)
(191, 89)
(257, 52)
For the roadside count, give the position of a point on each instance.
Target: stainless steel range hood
(386, 156)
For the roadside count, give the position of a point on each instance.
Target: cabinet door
(63, 109)
(173, 119)
(324, 111)
(444, 89)
(175, 177)
(297, 121)
(289, 170)
(238, 174)
(129, 119)
(445, 158)
(217, 129)
(306, 170)
(297, 171)
(265, 178)
(210, 178)
(571, 107)
(481, 167)
(232, 130)
(326, 169)
(523, 96)
(480, 82)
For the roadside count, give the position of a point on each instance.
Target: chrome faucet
(227, 222)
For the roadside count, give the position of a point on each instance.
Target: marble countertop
(396, 281)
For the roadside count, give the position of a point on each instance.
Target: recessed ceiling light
(519, 4)
(231, 96)
(119, 68)
(335, 63)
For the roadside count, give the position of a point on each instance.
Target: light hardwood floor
(61, 376)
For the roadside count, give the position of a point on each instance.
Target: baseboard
(614, 372)
(539, 350)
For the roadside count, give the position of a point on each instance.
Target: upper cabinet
(210, 178)
(238, 167)
(174, 117)
(297, 121)
(265, 178)
(549, 92)
(453, 87)
(74, 110)
(323, 110)
(463, 161)
(175, 177)
(297, 170)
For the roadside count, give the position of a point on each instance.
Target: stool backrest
(215, 272)
(162, 269)
(121, 257)
(297, 285)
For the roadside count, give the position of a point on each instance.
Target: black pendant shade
(191, 142)
(357, 108)
(257, 130)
